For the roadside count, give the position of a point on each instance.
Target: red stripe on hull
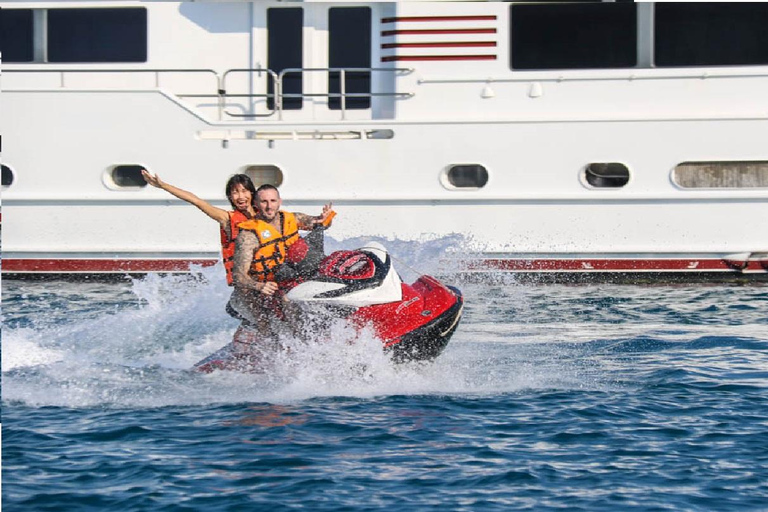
(99, 266)
(612, 265)
(478, 44)
(429, 31)
(437, 18)
(104, 266)
(437, 57)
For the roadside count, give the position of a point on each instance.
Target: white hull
(534, 131)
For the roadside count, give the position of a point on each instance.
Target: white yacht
(612, 137)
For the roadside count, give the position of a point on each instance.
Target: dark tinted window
(349, 46)
(97, 35)
(607, 175)
(467, 176)
(573, 36)
(128, 176)
(284, 50)
(7, 176)
(711, 34)
(16, 40)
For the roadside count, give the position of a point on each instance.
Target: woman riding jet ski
(413, 321)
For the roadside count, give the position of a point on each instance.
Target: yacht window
(349, 46)
(284, 50)
(573, 35)
(721, 175)
(16, 36)
(606, 175)
(264, 175)
(127, 176)
(711, 34)
(97, 35)
(7, 175)
(466, 176)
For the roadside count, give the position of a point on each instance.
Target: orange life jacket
(273, 244)
(228, 241)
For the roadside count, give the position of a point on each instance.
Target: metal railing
(62, 72)
(277, 95)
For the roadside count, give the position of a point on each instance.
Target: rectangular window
(349, 46)
(741, 175)
(285, 50)
(573, 36)
(711, 34)
(16, 35)
(97, 35)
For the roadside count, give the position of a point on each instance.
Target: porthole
(606, 175)
(264, 175)
(730, 175)
(126, 176)
(465, 176)
(8, 176)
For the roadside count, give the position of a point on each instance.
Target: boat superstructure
(553, 137)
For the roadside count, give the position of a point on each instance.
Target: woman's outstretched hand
(152, 179)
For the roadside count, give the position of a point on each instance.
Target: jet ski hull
(428, 341)
(414, 321)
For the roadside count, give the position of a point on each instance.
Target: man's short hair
(267, 186)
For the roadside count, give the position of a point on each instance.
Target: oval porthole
(606, 175)
(8, 177)
(127, 176)
(730, 175)
(264, 175)
(465, 176)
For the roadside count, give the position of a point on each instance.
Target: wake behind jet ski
(413, 321)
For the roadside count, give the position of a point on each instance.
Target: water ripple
(598, 397)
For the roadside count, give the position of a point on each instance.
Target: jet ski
(413, 321)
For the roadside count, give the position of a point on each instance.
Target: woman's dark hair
(240, 179)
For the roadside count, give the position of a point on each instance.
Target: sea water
(549, 397)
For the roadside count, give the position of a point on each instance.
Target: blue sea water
(549, 397)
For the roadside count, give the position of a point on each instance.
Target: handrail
(342, 84)
(156, 71)
(278, 95)
(221, 89)
(277, 88)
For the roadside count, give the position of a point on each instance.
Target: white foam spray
(138, 354)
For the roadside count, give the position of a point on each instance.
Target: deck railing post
(343, 91)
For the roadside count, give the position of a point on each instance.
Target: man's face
(269, 203)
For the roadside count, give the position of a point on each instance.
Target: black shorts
(234, 314)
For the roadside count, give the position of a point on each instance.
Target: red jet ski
(413, 321)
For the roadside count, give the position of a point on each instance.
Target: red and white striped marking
(100, 266)
(468, 265)
(439, 38)
(600, 265)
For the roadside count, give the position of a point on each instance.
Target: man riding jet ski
(413, 321)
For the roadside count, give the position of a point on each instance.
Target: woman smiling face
(241, 198)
